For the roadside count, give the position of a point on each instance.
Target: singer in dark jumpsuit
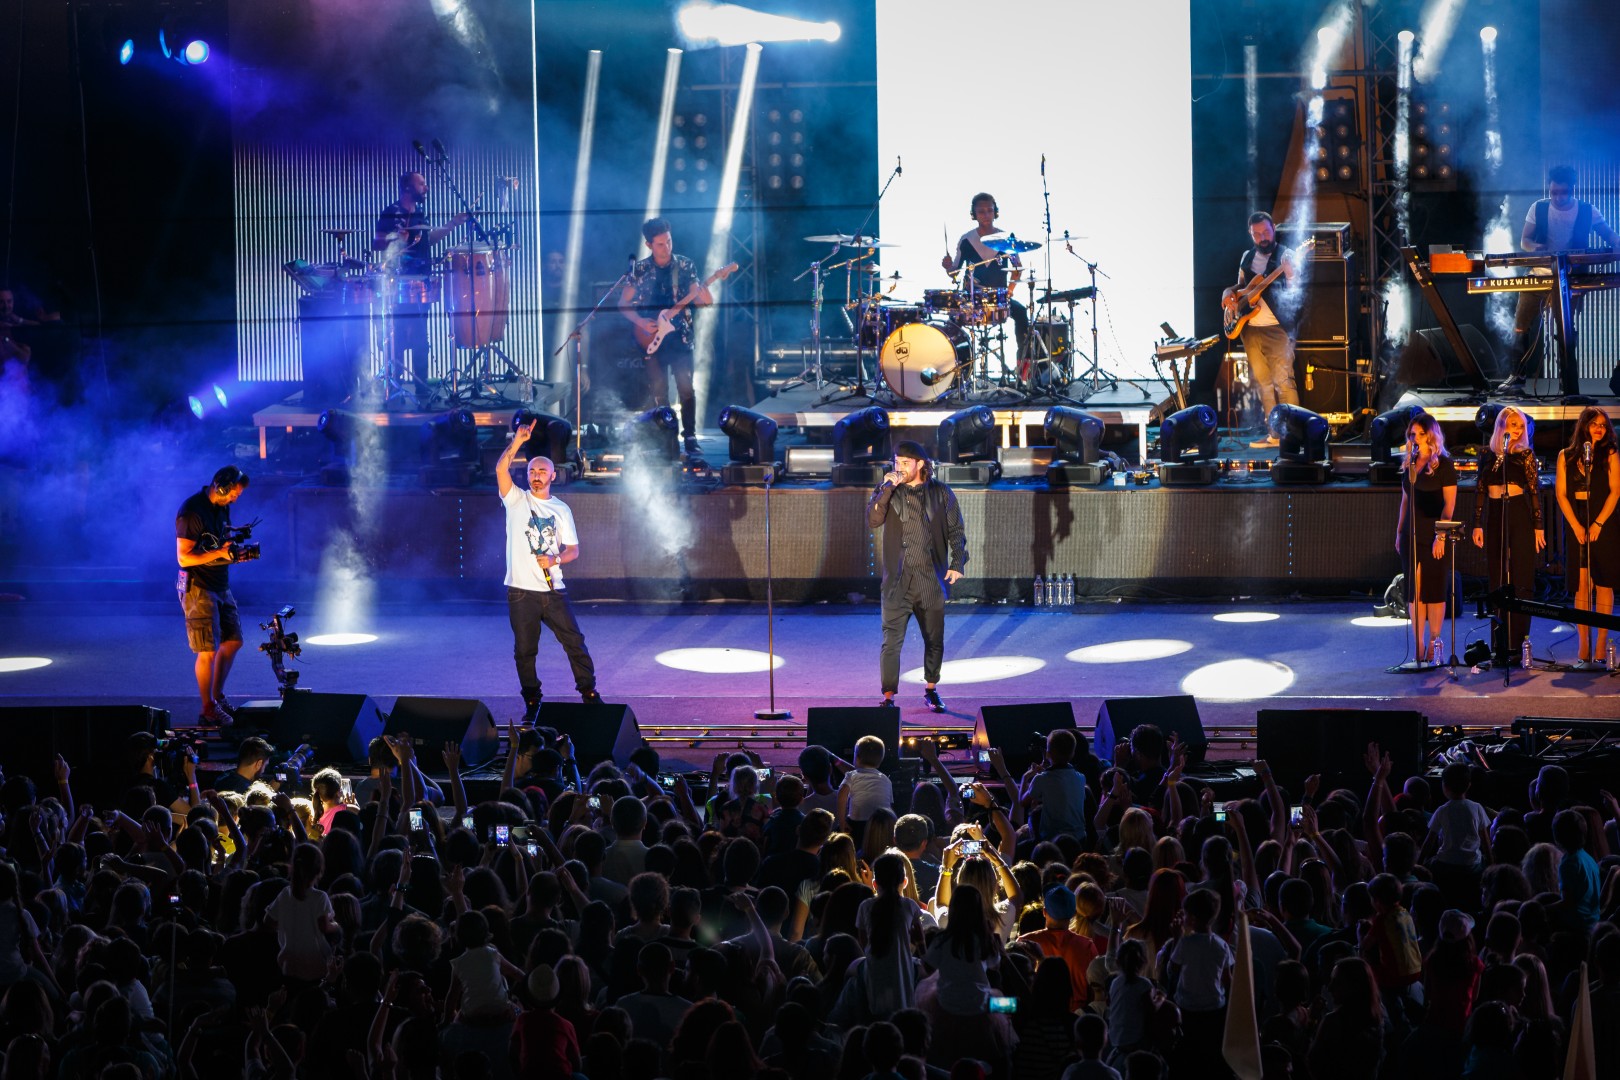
(1508, 526)
(923, 548)
(1587, 497)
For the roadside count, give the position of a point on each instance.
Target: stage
(690, 668)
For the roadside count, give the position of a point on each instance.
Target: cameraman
(213, 627)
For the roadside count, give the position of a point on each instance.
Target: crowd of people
(1081, 921)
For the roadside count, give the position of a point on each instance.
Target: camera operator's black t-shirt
(199, 517)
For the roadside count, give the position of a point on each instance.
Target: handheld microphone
(438, 148)
(897, 170)
(416, 144)
(632, 262)
(930, 376)
(1586, 452)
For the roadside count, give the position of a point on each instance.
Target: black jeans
(674, 359)
(528, 611)
(922, 595)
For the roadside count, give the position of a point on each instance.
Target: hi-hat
(1008, 243)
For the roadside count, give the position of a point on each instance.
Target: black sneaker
(531, 710)
(692, 446)
(590, 697)
(224, 706)
(931, 699)
(214, 718)
(888, 702)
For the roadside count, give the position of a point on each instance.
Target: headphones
(984, 196)
(227, 478)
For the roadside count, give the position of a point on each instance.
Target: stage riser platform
(710, 544)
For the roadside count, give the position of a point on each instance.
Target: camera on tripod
(281, 644)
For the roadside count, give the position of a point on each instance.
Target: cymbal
(849, 241)
(1008, 244)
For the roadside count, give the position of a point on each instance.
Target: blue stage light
(196, 51)
(195, 405)
(219, 396)
(163, 45)
(126, 51)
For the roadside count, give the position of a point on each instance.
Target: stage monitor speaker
(1015, 729)
(601, 732)
(1299, 742)
(1173, 714)
(1326, 379)
(434, 721)
(837, 728)
(1429, 361)
(339, 726)
(89, 737)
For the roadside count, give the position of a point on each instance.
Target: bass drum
(921, 360)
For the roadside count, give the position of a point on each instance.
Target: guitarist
(661, 281)
(1267, 341)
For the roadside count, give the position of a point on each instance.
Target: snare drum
(983, 305)
(876, 321)
(933, 349)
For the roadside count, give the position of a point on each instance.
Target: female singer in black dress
(1507, 523)
(1588, 489)
(1428, 495)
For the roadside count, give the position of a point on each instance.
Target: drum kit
(362, 315)
(950, 345)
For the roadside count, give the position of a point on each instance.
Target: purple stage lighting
(196, 51)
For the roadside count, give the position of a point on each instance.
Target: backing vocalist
(1588, 489)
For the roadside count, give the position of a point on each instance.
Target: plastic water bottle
(1040, 591)
(1613, 666)
(1434, 650)
(1068, 590)
(1525, 655)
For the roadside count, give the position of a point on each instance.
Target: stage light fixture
(1386, 432)
(552, 438)
(704, 23)
(449, 449)
(194, 403)
(653, 436)
(126, 51)
(1487, 34)
(1485, 418)
(861, 447)
(751, 447)
(1075, 437)
(1189, 447)
(1406, 37)
(219, 396)
(965, 448)
(1302, 445)
(195, 52)
(1432, 166)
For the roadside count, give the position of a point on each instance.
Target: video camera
(172, 751)
(281, 644)
(240, 538)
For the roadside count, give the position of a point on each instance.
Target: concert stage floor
(1301, 655)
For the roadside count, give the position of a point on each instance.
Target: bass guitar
(666, 318)
(1248, 298)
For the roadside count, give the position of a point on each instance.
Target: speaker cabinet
(1299, 742)
(837, 728)
(601, 732)
(339, 726)
(434, 721)
(1329, 312)
(1014, 729)
(1173, 714)
(91, 739)
(1326, 378)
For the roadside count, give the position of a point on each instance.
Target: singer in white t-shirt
(540, 540)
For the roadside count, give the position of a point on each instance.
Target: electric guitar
(667, 317)
(1248, 298)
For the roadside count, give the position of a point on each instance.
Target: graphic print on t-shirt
(541, 534)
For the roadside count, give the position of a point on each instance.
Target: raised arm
(458, 790)
(503, 467)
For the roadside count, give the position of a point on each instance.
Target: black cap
(910, 449)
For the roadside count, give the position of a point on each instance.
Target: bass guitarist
(1268, 343)
(659, 282)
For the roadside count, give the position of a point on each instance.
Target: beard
(1267, 247)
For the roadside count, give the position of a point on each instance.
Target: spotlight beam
(582, 183)
(1438, 23)
(726, 211)
(703, 23)
(666, 115)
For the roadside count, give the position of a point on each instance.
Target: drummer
(406, 242)
(993, 273)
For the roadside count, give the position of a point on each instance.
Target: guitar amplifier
(1333, 238)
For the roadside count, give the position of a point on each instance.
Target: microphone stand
(771, 713)
(575, 336)
(1096, 373)
(1452, 530)
(860, 353)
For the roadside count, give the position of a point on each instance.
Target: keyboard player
(1560, 222)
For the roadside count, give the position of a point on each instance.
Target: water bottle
(1068, 590)
(1612, 665)
(1434, 651)
(1525, 655)
(1040, 591)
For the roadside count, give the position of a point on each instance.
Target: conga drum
(475, 295)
